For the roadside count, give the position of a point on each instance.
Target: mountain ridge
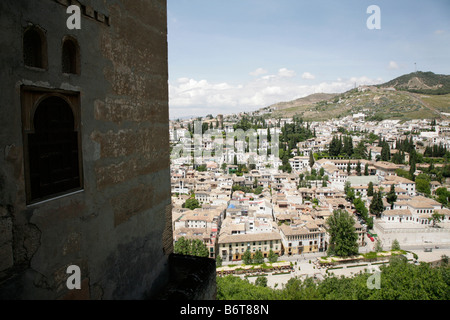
(421, 82)
(416, 95)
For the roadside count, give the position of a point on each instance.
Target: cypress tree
(391, 197)
(370, 190)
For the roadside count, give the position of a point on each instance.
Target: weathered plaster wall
(114, 228)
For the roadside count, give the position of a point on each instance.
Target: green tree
(182, 246)
(378, 246)
(412, 165)
(391, 197)
(224, 167)
(261, 281)
(376, 206)
(273, 257)
(358, 169)
(370, 189)
(395, 245)
(400, 281)
(347, 187)
(219, 261)
(191, 247)
(199, 249)
(311, 160)
(404, 174)
(349, 192)
(202, 168)
(360, 152)
(436, 218)
(235, 288)
(360, 207)
(205, 127)
(348, 146)
(398, 158)
(443, 196)
(343, 236)
(247, 257)
(335, 147)
(385, 151)
(423, 184)
(350, 195)
(191, 204)
(366, 169)
(258, 258)
(321, 172)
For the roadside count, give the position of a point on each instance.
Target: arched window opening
(34, 48)
(70, 57)
(53, 150)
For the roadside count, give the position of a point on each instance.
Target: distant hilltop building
(220, 120)
(359, 116)
(363, 88)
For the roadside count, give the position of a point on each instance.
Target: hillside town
(237, 200)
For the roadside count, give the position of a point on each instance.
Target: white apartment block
(299, 163)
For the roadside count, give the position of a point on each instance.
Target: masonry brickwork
(114, 227)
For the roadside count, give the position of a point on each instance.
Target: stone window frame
(43, 50)
(74, 56)
(31, 98)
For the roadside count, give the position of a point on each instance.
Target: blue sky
(227, 56)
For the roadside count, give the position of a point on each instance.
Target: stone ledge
(191, 278)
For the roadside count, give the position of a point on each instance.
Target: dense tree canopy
(400, 280)
(191, 204)
(443, 196)
(423, 184)
(191, 247)
(343, 236)
(361, 210)
(335, 147)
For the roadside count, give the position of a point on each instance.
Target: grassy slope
(441, 102)
(384, 103)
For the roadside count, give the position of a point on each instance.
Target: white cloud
(308, 76)
(201, 97)
(393, 65)
(258, 72)
(439, 32)
(283, 72)
(268, 77)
